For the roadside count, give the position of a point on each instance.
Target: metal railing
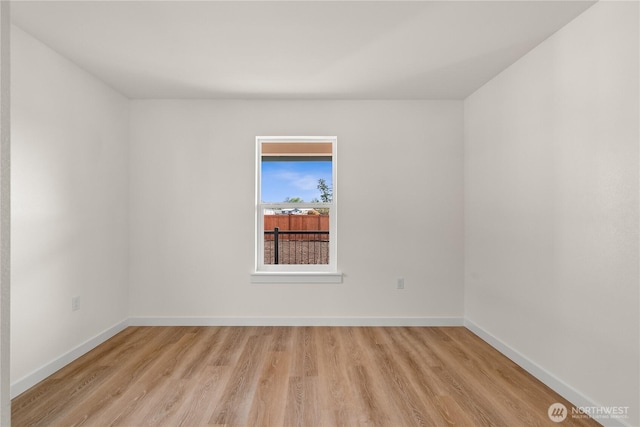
(296, 246)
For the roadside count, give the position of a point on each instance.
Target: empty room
(320, 213)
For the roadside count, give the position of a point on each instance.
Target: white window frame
(293, 273)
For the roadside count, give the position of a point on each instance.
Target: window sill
(295, 277)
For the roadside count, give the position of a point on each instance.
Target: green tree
(326, 193)
(293, 200)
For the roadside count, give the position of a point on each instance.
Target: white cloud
(304, 182)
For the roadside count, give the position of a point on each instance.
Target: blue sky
(293, 179)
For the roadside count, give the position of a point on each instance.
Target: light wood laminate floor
(291, 376)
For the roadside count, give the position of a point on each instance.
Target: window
(296, 209)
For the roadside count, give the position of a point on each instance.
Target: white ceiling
(294, 49)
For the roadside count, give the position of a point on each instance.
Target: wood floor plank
(205, 391)
(272, 387)
(290, 376)
(205, 343)
(131, 400)
(403, 390)
(336, 397)
(373, 408)
(235, 405)
(85, 367)
(454, 415)
(89, 404)
(429, 387)
(511, 400)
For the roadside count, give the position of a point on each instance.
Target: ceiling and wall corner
(294, 50)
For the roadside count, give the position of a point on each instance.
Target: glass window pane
(296, 238)
(287, 179)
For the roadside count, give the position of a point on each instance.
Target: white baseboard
(28, 381)
(554, 383)
(296, 321)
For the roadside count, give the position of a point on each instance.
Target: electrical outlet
(400, 283)
(75, 303)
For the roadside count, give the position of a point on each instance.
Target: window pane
(290, 179)
(296, 238)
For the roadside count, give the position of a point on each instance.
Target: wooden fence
(295, 222)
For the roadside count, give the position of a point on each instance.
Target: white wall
(551, 206)
(69, 205)
(192, 209)
(5, 215)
